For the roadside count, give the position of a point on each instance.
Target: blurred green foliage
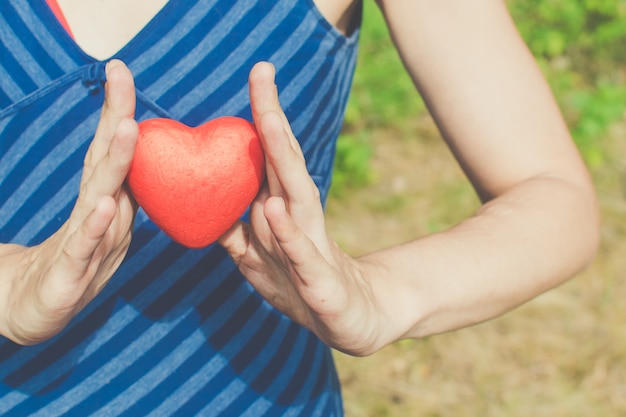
(382, 91)
(383, 96)
(352, 162)
(579, 44)
(581, 47)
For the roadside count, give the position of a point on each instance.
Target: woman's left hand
(285, 252)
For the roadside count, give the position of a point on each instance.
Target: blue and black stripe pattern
(176, 331)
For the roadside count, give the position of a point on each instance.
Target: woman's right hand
(43, 287)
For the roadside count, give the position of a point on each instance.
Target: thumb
(78, 254)
(235, 240)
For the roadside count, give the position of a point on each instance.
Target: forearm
(528, 240)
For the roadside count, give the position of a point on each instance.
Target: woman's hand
(538, 227)
(45, 286)
(285, 252)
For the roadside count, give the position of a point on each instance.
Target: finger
(235, 241)
(263, 90)
(119, 103)
(264, 99)
(292, 179)
(108, 176)
(78, 254)
(316, 281)
(302, 253)
(110, 172)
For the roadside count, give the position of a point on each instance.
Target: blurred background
(562, 354)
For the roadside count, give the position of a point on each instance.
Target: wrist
(403, 300)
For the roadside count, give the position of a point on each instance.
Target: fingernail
(112, 63)
(273, 71)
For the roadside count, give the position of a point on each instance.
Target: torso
(101, 28)
(173, 328)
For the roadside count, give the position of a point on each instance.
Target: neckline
(57, 28)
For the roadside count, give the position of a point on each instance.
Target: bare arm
(537, 228)
(539, 225)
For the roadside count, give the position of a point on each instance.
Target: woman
(138, 326)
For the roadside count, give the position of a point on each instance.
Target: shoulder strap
(54, 6)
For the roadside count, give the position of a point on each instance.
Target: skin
(537, 228)
(102, 28)
(44, 286)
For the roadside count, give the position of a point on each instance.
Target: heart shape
(195, 183)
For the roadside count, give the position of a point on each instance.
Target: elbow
(587, 226)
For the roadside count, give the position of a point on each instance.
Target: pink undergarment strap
(54, 6)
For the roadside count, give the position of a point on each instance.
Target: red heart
(194, 183)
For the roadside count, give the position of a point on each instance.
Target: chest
(102, 28)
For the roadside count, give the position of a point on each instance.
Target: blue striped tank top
(176, 331)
